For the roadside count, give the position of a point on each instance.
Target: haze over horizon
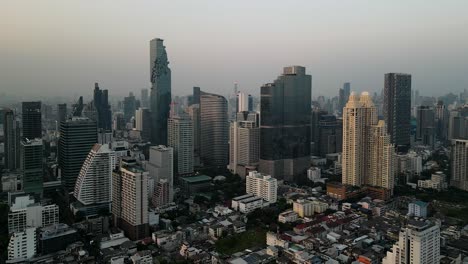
(61, 48)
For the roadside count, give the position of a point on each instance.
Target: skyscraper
(330, 135)
(61, 112)
(368, 157)
(101, 104)
(426, 128)
(129, 106)
(93, 185)
(397, 109)
(143, 123)
(180, 138)
(194, 113)
(244, 102)
(11, 132)
(32, 165)
(160, 91)
(31, 117)
(244, 143)
(144, 98)
(161, 167)
(442, 116)
(214, 133)
(343, 96)
(285, 124)
(459, 160)
(77, 136)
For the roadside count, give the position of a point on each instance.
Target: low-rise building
(287, 217)
(247, 203)
(417, 208)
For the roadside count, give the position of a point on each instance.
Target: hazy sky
(63, 47)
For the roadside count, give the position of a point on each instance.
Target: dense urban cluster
(288, 177)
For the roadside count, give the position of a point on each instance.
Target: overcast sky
(63, 47)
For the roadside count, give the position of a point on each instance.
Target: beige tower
(359, 115)
(382, 158)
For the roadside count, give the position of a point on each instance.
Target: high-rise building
(31, 118)
(25, 212)
(244, 143)
(419, 243)
(261, 185)
(144, 98)
(397, 109)
(214, 128)
(162, 193)
(196, 95)
(129, 106)
(11, 133)
(458, 123)
(143, 123)
(77, 136)
(131, 212)
(459, 159)
(343, 96)
(101, 104)
(442, 118)
(194, 113)
(367, 157)
(285, 126)
(160, 91)
(180, 138)
(32, 165)
(61, 112)
(426, 127)
(161, 167)
(93, 185)
(22, 245)
(330, 135)
(244, 102)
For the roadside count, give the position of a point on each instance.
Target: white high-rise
(368, 157)
(262, 185)
(93, 185)
(22, 245)
(25, 212)
(459, 157)
(160, 167)
(419, 243)
(180, 138)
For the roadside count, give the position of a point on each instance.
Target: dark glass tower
(77, 136)
(11, 133)
(32, 123)
(61, 112)
(160, 91)
(31, 165)
(397, 109)
(285, 127)
(101, 103)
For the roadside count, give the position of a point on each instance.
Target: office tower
(161, 166)
(419, 243)
(261, 185)
(397, 109)
(343, 96)
(22, 245)
(194, 113)
(11, 133)
(133, 215)
(196, 95)
(93, 185)
(144, 98)
(316, 116)
(31, 165)
(382, 158)
(285, 126)
(359, 115)
(162, 193)
(244, 143)
(160, 91)
(25, 212)
(143, 123)
(214, 128)
(458, 123)
(426, 128)
(244, 102)
(129, 106)
(61, 112)
(101, 104)
(31, 117)
(77, 136)
(330, 135)
(119, 121)
(459, 160)
(180, 138)
(442, 117)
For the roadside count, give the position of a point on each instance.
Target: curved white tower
(93, 185)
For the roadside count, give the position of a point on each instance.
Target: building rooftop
(195, 179)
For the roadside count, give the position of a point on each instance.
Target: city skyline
(330, 39)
